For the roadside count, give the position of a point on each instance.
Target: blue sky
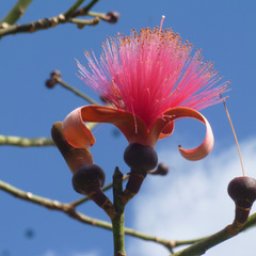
(225, 32)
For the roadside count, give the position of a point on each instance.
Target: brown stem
(133, 185)
(47, 22)
(103, 202)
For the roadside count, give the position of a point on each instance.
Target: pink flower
(150, 78)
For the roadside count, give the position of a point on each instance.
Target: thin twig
(73, 8)
(99, 15)
(37, 25)
(53, 205)
(81, 23)
(56, 78)
(235, 137)
(31, 142)
(110, 17)
(200, 247)
(46, 22)
(25, 142)
(75, 91)
(16, 12)
(68, 209)
(85, 10)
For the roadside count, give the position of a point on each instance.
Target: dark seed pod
(243, 191)
(50, 83)
(112, 17)
(55, 74)
(53, 80)
(88, 179)
(140, 158)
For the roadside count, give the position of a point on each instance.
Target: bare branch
(46, 23)
(69, 209)
(25, 142)
(16, 12)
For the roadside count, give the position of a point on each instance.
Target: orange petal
(75, 131)
(79, 136)
(167, 130)
(75, 157)
(207, 145)
(130, 125)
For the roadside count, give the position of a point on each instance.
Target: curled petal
(75, 131)
(167, 130)
(206, 147)
(78, 135)
(76, 158)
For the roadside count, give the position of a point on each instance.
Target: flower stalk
(56, 78)
(118, 219)
(133, 186)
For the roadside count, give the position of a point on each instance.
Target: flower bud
(53, 80)
(243, 191)
(88, 179)
(161, 170)
(49, 83)
(140, 158)
(112, 17)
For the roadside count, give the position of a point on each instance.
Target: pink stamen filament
(161, 23)
(235, 137)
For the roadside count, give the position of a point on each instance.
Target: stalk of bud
(141, 159)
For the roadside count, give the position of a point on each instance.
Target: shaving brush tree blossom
(149, 79)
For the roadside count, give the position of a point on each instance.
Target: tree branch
(31, 142)
(36, 25)
(6, 29)
(25, 142)
(200, 246)
(16, 12)
(69, 209)
(84, 11)
(75, 91)
(73, 8)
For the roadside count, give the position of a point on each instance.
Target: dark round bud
(161, 169)
(243, 191)
(50, 83)
(88, 179)
(53, 80)
(55, 74)
(112, 17)
(140, 158)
